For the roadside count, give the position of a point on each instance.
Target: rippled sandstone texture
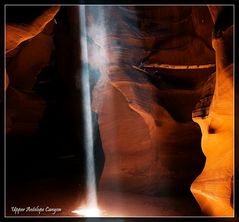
(213, 188)
(150, 142)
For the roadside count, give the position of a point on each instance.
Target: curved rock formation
(213, 188)
(28, 51)
(155, 64)
(151, 144)
(18, 33)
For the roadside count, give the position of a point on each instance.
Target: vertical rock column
(213, 187)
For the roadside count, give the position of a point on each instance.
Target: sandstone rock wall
(151, 144)
(213, 188)
(28, 51)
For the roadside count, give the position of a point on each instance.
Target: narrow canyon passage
(153, 72)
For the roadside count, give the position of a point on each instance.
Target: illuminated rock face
(214, 186)
(151, 145)
(142, 153)
(16, 34)
(28, 51)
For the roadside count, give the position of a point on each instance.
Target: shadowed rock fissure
(150, 68)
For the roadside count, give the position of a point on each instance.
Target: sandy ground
(111, 204)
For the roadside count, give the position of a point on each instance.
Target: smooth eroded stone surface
(142, 153)
(33, 56)
(213, 188)
(25, 60)
(16, 34)
(151, 145)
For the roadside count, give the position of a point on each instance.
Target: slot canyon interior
(135, 102)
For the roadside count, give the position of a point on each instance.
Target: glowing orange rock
(150, 143)
(25, 61)
(16, 34)
(213, 187)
